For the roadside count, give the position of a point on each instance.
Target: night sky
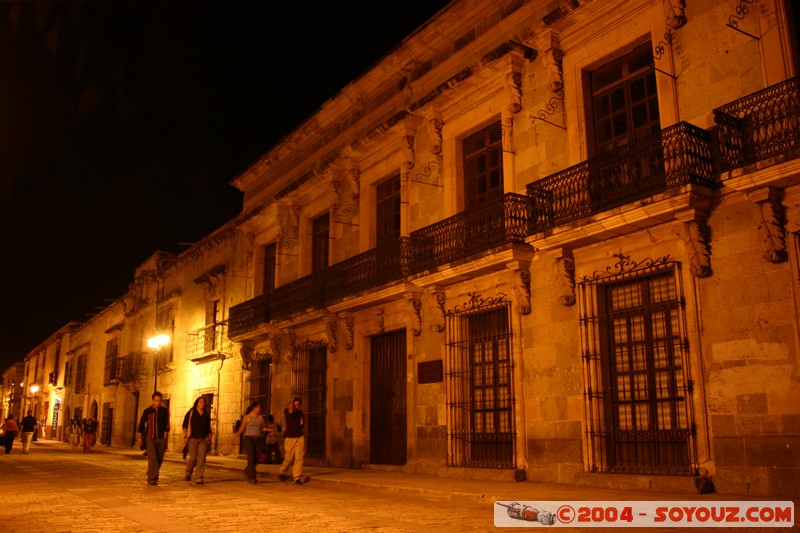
(123, 123)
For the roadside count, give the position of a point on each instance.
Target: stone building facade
(553, 241)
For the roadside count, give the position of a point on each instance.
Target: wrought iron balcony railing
(673, 157)
(380, 265)
(110, 373)
(209, 341)
(248, 315)
(299, 295)
(759, 126)
(502, 221)
(129, 367)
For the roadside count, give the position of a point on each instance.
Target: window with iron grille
(483, 166)
(270, 254)
(80, 374)
(637, 387)
(388, 210)
(480, 392)
(261, 384)
(68, 373)
(624, 100)
(320, 230)
(112, 350)
(309, 374)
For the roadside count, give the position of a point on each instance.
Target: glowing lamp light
(34, 389)
(155, 343)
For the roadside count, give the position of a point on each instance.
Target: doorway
(387, 433)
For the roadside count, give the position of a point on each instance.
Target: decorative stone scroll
(514, 89)
(768, 218)
(566, 278)
(676, 13)
(415, 315)
(522, 290)
(441, 299)
(697, 247)
(331, 327)
(435, 126)
(289, 223)
(349, 323)
(354, 175)
(379, 319)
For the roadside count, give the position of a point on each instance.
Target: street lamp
(155, 344)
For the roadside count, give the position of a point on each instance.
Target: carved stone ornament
(379, 319)
(522, 290)
(415, 312)
(514, 89)
(290, 340)
(697, 247)
(349, 323)
(768, 217)
(354, 175)
(555, 69)
(676, 13)
(336, 197)
(435, 126)
(331, 327)
(289, 223)
(566, 278)
(408, 151)
(441, 299)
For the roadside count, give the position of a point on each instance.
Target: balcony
(502, 221)
(300, 295)
(249, 315)
(110, 373)
(759, 126)
(383, 264)
(207, 343)
(669, 159)
(129, 367)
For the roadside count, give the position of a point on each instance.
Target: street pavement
(53, 489)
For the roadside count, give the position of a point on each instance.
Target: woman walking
(197, 436)
(10, 430)
(253, 428)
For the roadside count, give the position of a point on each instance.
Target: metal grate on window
(637, 388)
(480, 392)
(309, 376)
(261, 383)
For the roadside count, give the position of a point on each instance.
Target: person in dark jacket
(154, 432)
(197, 436)
(10, 430)
(294, 443)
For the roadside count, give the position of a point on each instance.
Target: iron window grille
(80, 374)
(309, 376)
(637, 385)
(110, 372)
(480, 385)
(261, 383)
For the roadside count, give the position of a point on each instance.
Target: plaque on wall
(430, 372)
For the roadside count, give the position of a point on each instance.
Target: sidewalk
(440, 488)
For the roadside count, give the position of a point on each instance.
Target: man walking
(294, 443)
(29, 425)
(154, 430)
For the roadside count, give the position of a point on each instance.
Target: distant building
(553, 241)
(12, 390)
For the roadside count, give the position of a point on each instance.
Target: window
(68, 373)
(639, 410)
(112, 350)
(309, 375)
(80, 374)
(388, 211)
(480, 387)
(319, 243)
(483, 166)
(261, 383)
(624, 100)
(213, 331)
(270, 253)
(165, 324)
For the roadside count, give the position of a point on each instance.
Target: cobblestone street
(52, 489)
